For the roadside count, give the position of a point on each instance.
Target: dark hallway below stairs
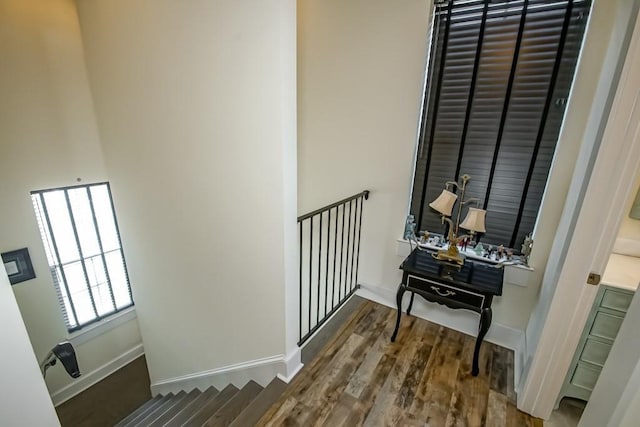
(110, 400)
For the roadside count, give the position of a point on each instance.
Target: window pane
(119, 284)
(75, 277)
(84, 309)
(44, 229)
(79, 292)
(102, 298)
(104, 216)
(67, 305)
(64, 296)
(83, 218)
(99, 285)
(56, 205)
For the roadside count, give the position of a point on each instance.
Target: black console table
(471, 286)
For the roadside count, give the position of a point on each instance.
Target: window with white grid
(81, 239)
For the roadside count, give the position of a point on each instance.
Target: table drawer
(615, 300)
(595, 352)
(606, 325)
(445, 292)
(585, 376)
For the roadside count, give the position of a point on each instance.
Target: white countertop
(623, 271)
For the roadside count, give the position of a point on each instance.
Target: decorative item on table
(410, 228)
(527, 245)
(473, 222)
(410, 233)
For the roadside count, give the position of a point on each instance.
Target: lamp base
(450, 255)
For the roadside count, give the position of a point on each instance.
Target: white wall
(24, 400)
(608, 31)
(360, 78)
(49, 138)
(628, 240)
(608, 157)
(627, 412)
(361, 70)
(194, 109)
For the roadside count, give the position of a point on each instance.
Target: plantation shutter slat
(465, 127)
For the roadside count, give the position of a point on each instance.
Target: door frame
(585, 238)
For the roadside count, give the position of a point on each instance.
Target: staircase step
(212, 406)
(152, 408)
(260, 405)
(187, 412)
(165, 406)
(142, 408)
(234, 406)
(181, 400)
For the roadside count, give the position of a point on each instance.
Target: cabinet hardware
(442, 294)
(593, 279)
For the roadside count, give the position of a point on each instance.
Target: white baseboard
(460, 320)
(261, 371)
(86, 380)
(293, 365)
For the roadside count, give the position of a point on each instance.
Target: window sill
(513, 274)
(95, 330)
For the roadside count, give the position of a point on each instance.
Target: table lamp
(473, 222)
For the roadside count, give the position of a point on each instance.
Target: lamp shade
(474, 221)
(444, 203)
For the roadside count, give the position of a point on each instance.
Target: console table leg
(413, 294)
(399, 303)
(485, 322)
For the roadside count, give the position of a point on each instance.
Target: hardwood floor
(423, 379)
(110, 400)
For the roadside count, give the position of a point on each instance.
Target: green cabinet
(602, 326)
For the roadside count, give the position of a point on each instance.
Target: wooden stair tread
(157, 404)
(234, 406)
(260, 405)
(161, 409)
(187, 412)
(179, 403)
(142, 408)
(229, 407)
(212, 406)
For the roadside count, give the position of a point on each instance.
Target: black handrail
(339, 221)
(364, 194)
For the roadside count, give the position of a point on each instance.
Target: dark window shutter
(499, 76)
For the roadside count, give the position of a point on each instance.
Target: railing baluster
(326, 273)
(310, 267)
(345, 267)
(359, 229)
(300, 284)
(353, 247)
(344, 210)
(335, 254)
(319, 259)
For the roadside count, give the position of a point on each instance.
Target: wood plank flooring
(110, 400)
(423, 379)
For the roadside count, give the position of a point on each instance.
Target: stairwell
(229, 407)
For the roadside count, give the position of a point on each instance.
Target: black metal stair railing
(329, 258)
